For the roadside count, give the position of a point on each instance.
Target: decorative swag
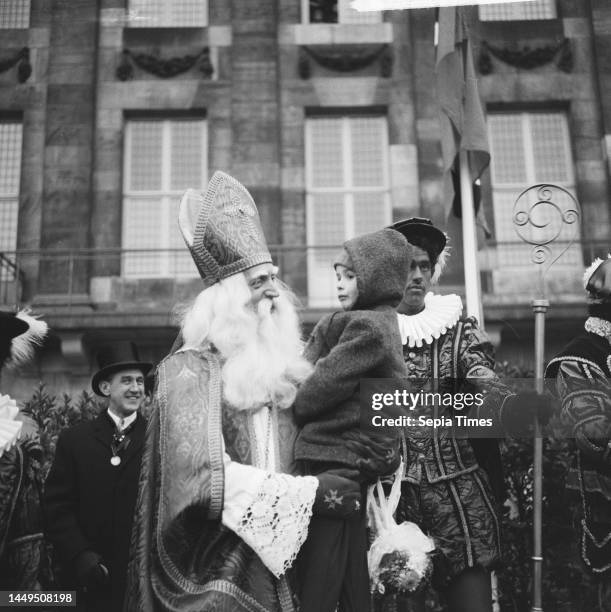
(527, 58)
(163, 68)
(345, 60)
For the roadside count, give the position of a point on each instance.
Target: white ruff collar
(441, 312)
(598, 326)
(9, 427)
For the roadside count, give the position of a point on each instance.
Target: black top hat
(114, 358)
(422, 233)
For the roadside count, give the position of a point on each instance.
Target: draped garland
(345, 60)
(527, 58)
(163, 68)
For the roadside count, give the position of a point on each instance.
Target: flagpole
(472, 283)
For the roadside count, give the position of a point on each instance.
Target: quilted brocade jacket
(461, 359)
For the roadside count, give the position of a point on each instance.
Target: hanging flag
(462, 119)
(392, 5)
(463, 124)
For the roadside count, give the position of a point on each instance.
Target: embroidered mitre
(222, 229)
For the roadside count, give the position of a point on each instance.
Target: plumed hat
(20, 334)
(597, 278)
(421, 233)
(114, 358)
(222, 229)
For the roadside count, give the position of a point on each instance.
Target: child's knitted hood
(381, 262)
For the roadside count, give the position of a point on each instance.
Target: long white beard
(262, 350)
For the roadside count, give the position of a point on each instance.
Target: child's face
(347, 292)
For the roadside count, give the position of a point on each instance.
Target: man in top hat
(22, 547)
(220, 519)
(90, 493)
(452, 487)
(580, 377)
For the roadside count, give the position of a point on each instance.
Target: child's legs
(321, 564)
(355, 596)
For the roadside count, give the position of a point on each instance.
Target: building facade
(109, 109)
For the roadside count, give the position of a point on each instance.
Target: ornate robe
(217, 526)
(580, 377)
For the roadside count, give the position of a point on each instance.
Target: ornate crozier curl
(261, 350)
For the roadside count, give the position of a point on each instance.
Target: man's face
(418, 283)
(125, 389)
(262, 283)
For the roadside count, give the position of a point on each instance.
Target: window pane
(527, 149)
(142, 229)
(10, 158)
(14, 14)
(164, 157)
(168, 13)
(187, 150)
(328, 219)
(10, 175)
(549, 147)
(367, 152)
(507, 149)
(9, 209)
(145, 156)
(326, 155)
(537, 9)
(370, 212)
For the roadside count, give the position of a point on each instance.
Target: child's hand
(378, 456)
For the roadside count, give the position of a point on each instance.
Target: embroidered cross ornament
(332, 499)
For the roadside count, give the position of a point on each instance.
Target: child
(361, 342)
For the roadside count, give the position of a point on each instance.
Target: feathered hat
(421, 232)
(222, 229)
(20, 334)
(597, 277)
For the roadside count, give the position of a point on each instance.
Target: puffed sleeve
(476, 364)
(586, 408)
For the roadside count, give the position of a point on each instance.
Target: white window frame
(348, 189)
(22, 24)
(169, 198)
(137, 17)
(517, 11)
(504, 253)
(343, 15)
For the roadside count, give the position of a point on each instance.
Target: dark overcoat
(90, 504)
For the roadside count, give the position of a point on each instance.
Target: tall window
(168, 13)
(14, 14)
(336, 11)
(10, 173)
(528, 149)
(163, 158)
(515, 11)
(348, 193)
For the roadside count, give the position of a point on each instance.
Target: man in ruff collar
(580, 377)
(90, 493)
(219, 517)
(452, 487)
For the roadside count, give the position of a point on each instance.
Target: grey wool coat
(347, 346)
